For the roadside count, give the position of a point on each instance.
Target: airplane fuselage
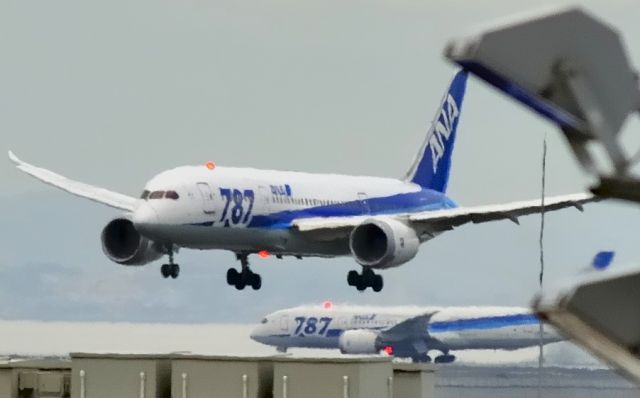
(379, 222)
(247, 210)
(448, 329)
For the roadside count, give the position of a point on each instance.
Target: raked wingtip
(13, 157)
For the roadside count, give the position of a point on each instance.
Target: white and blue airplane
(380, 222)
(404, 332)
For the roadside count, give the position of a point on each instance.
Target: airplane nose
(144, 216)
(256, 334)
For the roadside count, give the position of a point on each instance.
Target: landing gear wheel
(366, 279)
(256, 281)
(352, 278)
(378, 283)
(165, 270)
(368, 276)
(232, 276)
(445, 358)
(421, 359)
(244, 278)
(175, 271)
(240, 284)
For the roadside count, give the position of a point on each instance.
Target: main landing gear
(366, 279)
(245, 277)
(422, 358)
(446, 358)
(170, 270)
(441, 359)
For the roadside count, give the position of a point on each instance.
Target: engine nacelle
(123, 244)
(359, 342)
(383, 243)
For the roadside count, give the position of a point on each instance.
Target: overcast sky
(112, 92)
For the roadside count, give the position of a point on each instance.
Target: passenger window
(172, 195)
(145, 194)
(156, 195)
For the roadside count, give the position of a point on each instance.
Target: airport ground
(498, 381)
(568, 372)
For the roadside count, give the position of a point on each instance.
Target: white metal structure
(571, 68)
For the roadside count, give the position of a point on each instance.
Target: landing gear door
(364, 201)
(263, 199)
(208, 199)
(284, 323)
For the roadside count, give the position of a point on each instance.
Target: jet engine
(383, 243)
(359, 342)
(123, 244)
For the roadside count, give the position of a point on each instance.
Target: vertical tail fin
(431, 167)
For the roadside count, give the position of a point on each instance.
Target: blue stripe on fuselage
(491, 322)
(334, 332)
(423, 200)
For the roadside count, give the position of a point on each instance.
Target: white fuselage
(449, 328)
(243, 209)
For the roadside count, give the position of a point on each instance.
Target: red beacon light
(210, 165)
(263, 253)
(388, 350)
(327, 305)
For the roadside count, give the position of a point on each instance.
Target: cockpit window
(172, 195)
(264, 320)
(145, 194)
(156, 195)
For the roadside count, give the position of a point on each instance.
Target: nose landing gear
(245, 277)
(366, 279)
(170, 270)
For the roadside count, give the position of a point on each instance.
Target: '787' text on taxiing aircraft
(379, 221)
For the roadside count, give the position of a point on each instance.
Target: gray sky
(113, 92)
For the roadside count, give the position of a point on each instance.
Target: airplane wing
(411, 336)
(415, 326)
(431, 222)
(100, 195)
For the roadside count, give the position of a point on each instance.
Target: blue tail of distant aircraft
(431, 167)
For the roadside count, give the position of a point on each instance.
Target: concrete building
(196, 376)
(35, 378)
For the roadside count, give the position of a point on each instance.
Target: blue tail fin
(431, 167)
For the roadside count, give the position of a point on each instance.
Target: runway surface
(497, 381)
